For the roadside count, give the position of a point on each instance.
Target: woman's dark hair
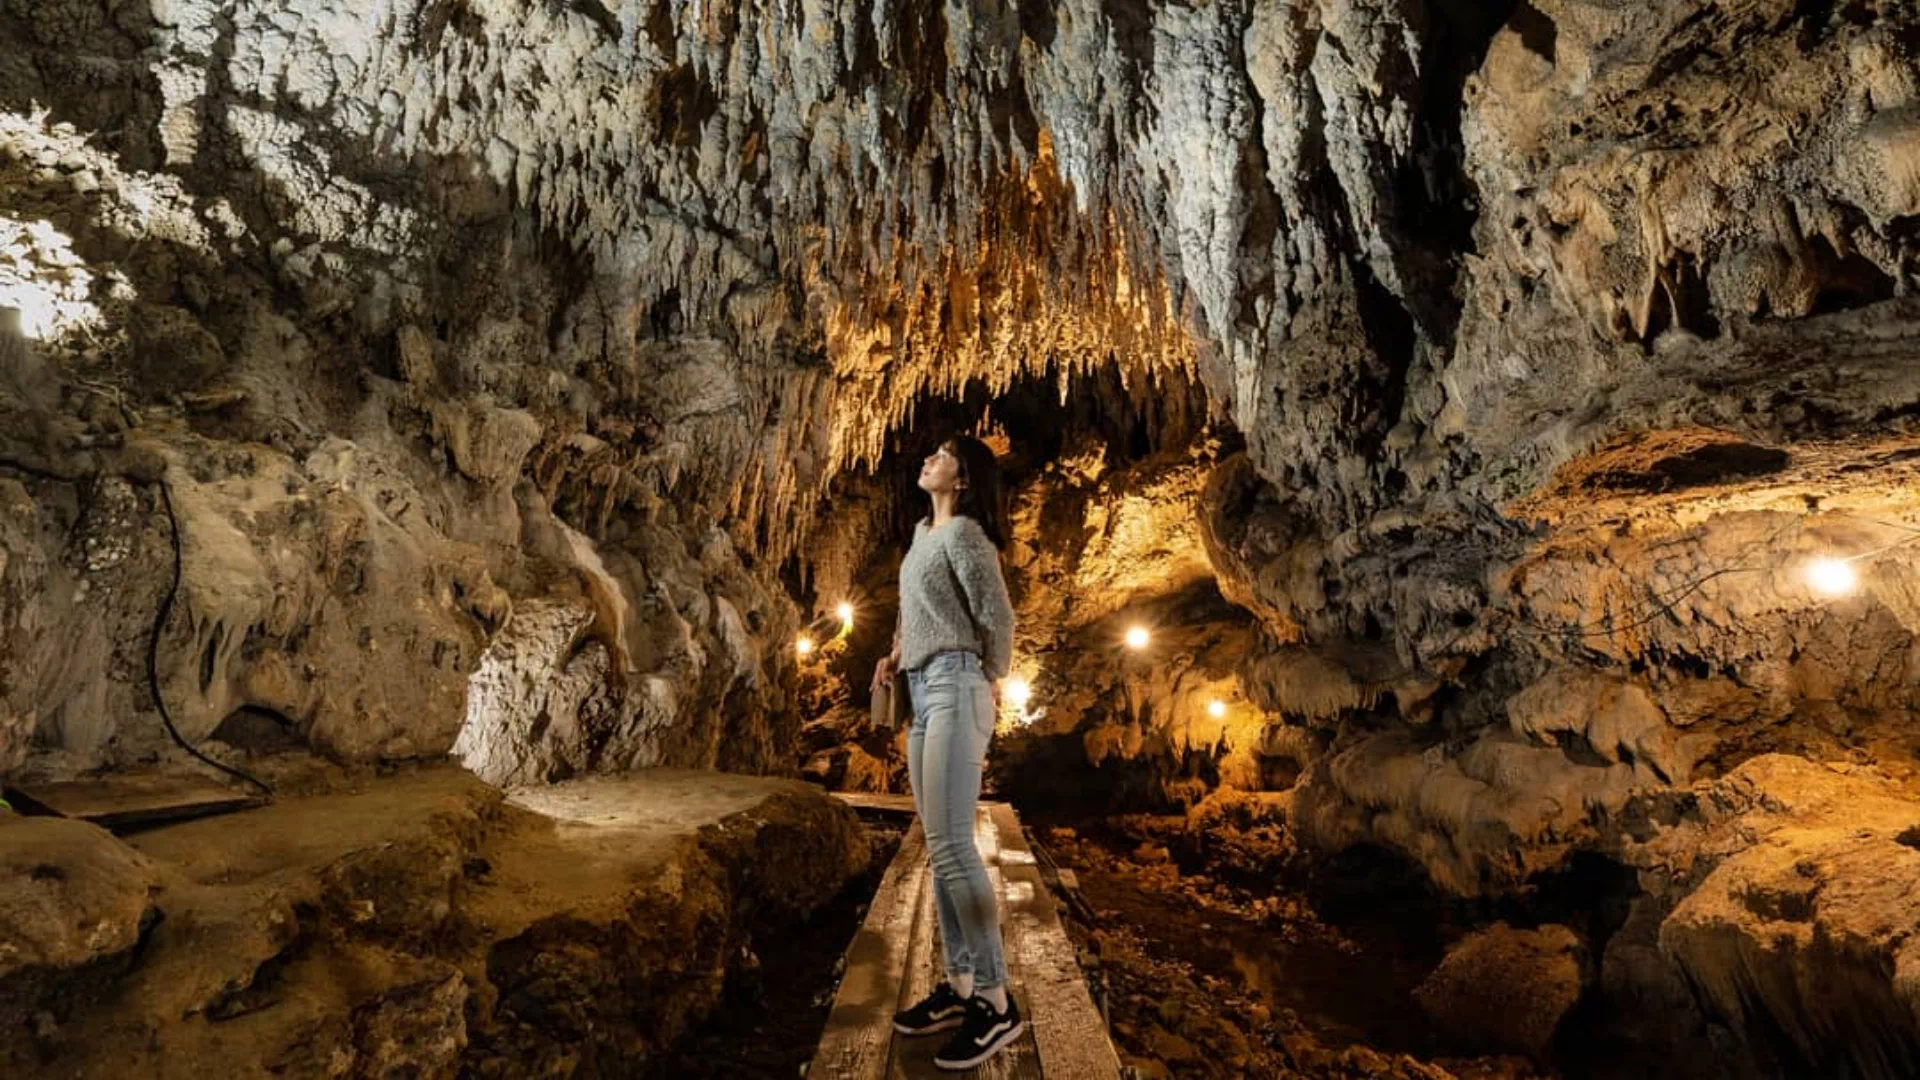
(981, 496)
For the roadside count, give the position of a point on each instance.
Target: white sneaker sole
(944, 1025)
(999, 1044)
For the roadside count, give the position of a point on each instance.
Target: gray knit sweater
(952, 597)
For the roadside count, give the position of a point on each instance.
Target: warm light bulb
(1018, 692)
(1137, 637)
(1832, 577)
(804, 646)
(1216, 708)
(846, 613)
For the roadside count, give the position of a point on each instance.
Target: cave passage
(1155, 750)
(456, 460)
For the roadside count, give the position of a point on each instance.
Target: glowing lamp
(1018, 693)
(1137, 637)
(804, 646)
(1216, 708)
(1832, 577)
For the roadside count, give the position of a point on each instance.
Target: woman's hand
(883, 671)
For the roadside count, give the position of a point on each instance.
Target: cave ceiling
(1410, 249)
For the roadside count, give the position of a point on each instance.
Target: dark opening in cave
(1461, 460)
(255, 730)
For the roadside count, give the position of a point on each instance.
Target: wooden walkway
(895, 960)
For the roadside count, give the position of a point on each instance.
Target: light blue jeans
(946, 749)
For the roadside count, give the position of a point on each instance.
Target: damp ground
(777, 1002)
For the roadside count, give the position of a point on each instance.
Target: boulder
(74, 904)
(1506, 990)
(1804, 935)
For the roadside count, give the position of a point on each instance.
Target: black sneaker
(939, 1011)
(984, 1034)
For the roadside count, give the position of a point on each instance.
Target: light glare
(1216, 708)
(1137, 637)
(1832, 577)
(804, 646)
(39, 311)
(846, 613)
(47, 304)
(1018, 692)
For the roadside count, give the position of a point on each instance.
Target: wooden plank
(132, 799)
(1070, 1035)
(893, 804)
(896, 959)
(913, 1058)
(859, 1031)
(865, 800)
(1020, 1060)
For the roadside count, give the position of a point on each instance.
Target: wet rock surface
(423, 924)
(1460, 391)
(75, 907)
(777, 1001)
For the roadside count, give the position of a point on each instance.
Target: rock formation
(428, 926)
(1462, 390)
(1505, 987)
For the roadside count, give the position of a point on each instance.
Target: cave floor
(426, 923)
(1204, 979)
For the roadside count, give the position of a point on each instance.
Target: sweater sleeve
(976, 562)
(900, 603)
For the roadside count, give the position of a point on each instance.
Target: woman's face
(940, 473)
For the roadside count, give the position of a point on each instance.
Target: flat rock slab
(129, 801)
(305, 834)
(428, 924)
(668, 800)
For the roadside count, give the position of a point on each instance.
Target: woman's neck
(944, 504)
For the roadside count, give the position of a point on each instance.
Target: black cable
(153, 655)
(1602, 627)
(1664, 607)
(1890, 525)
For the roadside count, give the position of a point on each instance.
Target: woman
(954, 643)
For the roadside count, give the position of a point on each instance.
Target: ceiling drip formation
(923, 194)
(1279, 196)
(1479, 363)
(1043, 294)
